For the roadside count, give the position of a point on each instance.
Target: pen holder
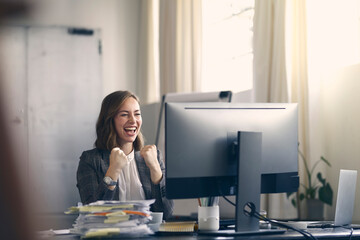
(208, 218)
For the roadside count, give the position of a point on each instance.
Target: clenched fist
(149, 153)
(118, 161)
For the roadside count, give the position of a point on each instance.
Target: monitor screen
(199, 147)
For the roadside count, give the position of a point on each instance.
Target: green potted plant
(316, 192)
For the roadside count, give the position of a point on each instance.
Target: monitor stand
(248, 188)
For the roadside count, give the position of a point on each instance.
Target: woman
(120, 167)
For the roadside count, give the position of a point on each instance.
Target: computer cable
(351, 231)
(229, 201)
(250, 210)
(254, 213)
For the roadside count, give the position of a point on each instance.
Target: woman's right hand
(118, 161)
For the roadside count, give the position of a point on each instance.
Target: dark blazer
(91, 171)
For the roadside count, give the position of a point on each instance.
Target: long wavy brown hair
(105, 127)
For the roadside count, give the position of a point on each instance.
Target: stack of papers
(112, 219)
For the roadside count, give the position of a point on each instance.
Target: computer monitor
(206, 142)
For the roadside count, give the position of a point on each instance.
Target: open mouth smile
(130, 130)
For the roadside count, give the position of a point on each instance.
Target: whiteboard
(64, 96)
(58, 97)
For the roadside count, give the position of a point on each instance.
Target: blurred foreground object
(15, 214)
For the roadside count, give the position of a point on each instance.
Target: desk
(328, 233)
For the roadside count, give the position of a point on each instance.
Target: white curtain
(180, 45)
(270, 83)
(148, 66)
(280, 72)
(298, 75)
(169, 48)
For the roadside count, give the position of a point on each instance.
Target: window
(227, 45)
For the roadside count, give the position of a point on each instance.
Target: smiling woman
(120, 167)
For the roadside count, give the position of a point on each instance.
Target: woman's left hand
(149, 153)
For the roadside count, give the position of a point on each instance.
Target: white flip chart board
(57, 101)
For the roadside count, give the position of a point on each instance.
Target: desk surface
(338, 233)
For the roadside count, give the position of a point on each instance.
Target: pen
(211, 201)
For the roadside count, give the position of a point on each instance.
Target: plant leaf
(321, 179)
(304, 186)
(311, 192)
(325, 161)
(326, 194)
(301, 196)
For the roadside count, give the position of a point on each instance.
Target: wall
(341, 131)
(334, 70)
(118, 21)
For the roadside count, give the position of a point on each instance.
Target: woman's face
(128, 122)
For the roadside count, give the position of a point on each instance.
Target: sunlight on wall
(334, 67)
(333, 43)
(333, 39)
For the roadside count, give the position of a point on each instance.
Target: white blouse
(130, 187)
